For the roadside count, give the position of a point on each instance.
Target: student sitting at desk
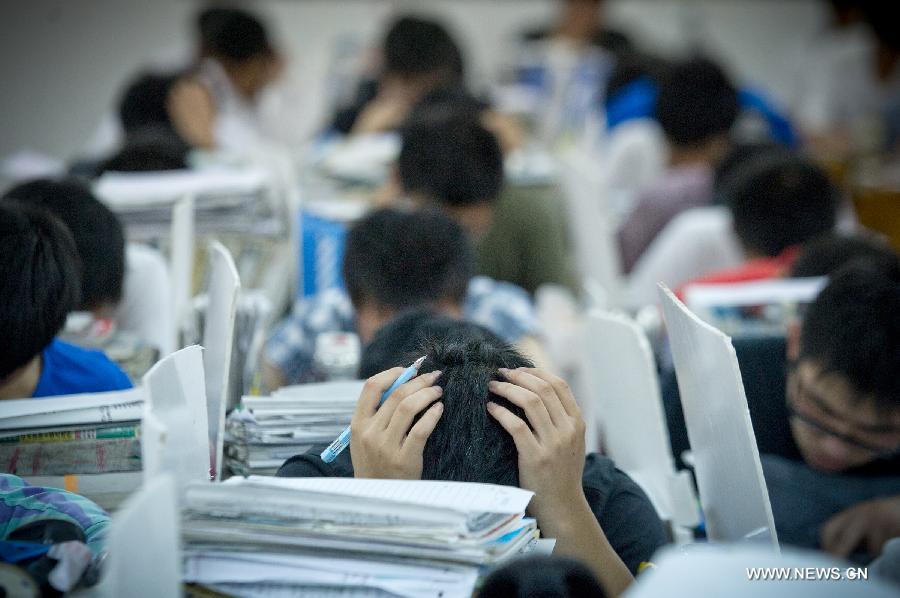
(825, 411)
(779, 201)
(395, 261)
(39, 286)
(478, 412)
(696, 108)
(451, 160)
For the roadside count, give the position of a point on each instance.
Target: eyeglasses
(879, 452)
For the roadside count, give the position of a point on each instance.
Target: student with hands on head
(389, 442)
(478, 412)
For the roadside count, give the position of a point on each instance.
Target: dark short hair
(826, 255)
(144, 103)
(696, 102)
(232, 34)
(778, 201)
(853, 329)
(447, 156)
(98, 234)
(468, 445)
(407, 259)
(542, 575)
(39, 275)
(415, 46)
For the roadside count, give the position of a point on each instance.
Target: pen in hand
(343, 441)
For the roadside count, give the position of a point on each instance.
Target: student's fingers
(525, 441)
(407, 410)
(386, 411)
(543, 389)
(419, 433)
(532, 404)
(563, 391)
(842, 533)
(372, 391)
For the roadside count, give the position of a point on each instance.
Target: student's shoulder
(310, 465)
(603, 482)
(70, 369)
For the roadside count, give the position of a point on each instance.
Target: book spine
(74, 457)
(74, 435)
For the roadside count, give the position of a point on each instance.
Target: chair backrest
(218, 343)
(144, 544)
(730, 481)
(147, 299)
(593, 232)
(181, 256)
(621, 371)
(175, 430)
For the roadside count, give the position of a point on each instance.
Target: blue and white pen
(343, 441)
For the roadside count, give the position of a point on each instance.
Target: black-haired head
(468, 445)
(39, 282)
(696, 103)
(98, 235)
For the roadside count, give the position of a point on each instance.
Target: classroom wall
(63, 61)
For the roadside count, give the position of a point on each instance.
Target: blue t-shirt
(67, 369)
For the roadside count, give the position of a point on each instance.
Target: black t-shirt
(763, 366)
(626, 515)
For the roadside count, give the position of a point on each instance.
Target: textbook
(350, 536)
(88, 408)
(264, 432)
(71, 457)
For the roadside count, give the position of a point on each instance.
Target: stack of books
(263, 432)
(88, 443)
(344, 536)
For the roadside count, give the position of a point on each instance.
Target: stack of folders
(262, 536)
(266, 431)
(88, 443)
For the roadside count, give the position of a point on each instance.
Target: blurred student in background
(395, 261)
(450, 160)
(39, 285)
(779, 201)
(696, 108)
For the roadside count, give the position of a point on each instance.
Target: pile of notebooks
(263, 432)
(320, 536)
(87, 443)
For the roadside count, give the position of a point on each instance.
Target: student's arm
(869, 525)
(551, 463)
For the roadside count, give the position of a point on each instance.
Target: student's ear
(792, 340)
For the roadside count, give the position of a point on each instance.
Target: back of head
(828, 254)
(467, 445)
(97, 232)
(542, 577)
(232, 34)
(449, 157)
(696, 102)
(144, 103)
(853, 329)
(779, 201)
(415, 47)
(39, 275)
(402, 260)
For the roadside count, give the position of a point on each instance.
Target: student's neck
(22, 383)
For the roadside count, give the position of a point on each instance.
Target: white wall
(62, 62)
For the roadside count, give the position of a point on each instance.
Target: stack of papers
(224, 199)
(266, 431)
(278, 536)
(88, 443)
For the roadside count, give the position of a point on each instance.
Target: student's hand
(193, 113)
(384, 443)
(551, 452)
(868, 524)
